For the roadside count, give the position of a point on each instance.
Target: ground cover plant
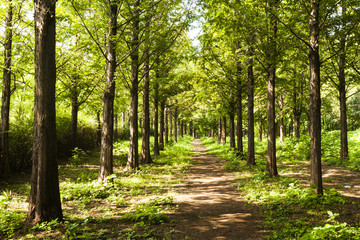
(291, 208)
(131, 205)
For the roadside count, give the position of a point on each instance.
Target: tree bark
(240, 146)
(232, 130)
(166, 125)
(156, 120)
(98, 130)
(133, 158)
(107, 131)
(182, 129)
(315, 100)
(251, 133)
(145, 145)
(223, 134)
(171, 123)
(191, 128)
(44, 202)
(175, 125)
(5, 169)
(219, 131)
(297, 113)
(162, 118)
(74, 118)
(271, 150)
(116, 124)
(344, 152)
(260, 127)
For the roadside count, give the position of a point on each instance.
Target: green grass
(127, 207)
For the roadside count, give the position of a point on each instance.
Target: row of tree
(96, 54)
(252, 48)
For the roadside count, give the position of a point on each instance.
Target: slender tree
(5, 170)
(271, 150)
(251, 133)
(315, 100)
(44, 202)
(106, 152)
(133, 158)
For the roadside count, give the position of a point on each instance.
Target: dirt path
(210, 206)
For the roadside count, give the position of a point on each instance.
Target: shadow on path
(210, 206)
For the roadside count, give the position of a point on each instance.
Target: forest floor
(186, 194)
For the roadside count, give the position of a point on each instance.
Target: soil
(210, 206)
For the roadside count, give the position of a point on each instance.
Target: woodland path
(210, 206)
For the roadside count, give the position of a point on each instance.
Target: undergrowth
(129, 206)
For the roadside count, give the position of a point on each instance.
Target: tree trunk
(156, 120)
(182, 129)
(271, 150)
(251, 133)
(282, 130)
(133, 158)
(232, 131)
(171, 123)
(219, 130)
(116, 124)
(175, 125)
(166, 125)
(260, 127)
(162, 117)
(185, 128)
(191, 128)
(107, 131)
(145, 144)
(223, 134)
(240, 147)
(74, 119)
(315, 100)
(44, 202)
(344, 152)
(123, 120)
(290, 129)
(98, 130)
(5, 170)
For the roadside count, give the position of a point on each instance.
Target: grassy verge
(291, 210)
(134, 205)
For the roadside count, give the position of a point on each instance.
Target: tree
(133, 161)
(271, 127)
(6, 93)
(44, 202)
(106, 153)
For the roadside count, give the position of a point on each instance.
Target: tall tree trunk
(162, 117)
(182, 129)
(344, 152)
(175, 125)
(123, 120)
(219, 131)
(5, 170)
(166, 125)
(240, 147)
(297, 113)
(232, 130)
(191, 128)
(116, 124)
(185, 128)
(74, 118)
(145, 144)
(223, 134)
(133, 158)
(271, 150)
(156, 120)
(260, 127)
(107, 131)
(282, 130)
(44, 202)
(251, 133)
(315, 100)
(171, 123)
(98, 130)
